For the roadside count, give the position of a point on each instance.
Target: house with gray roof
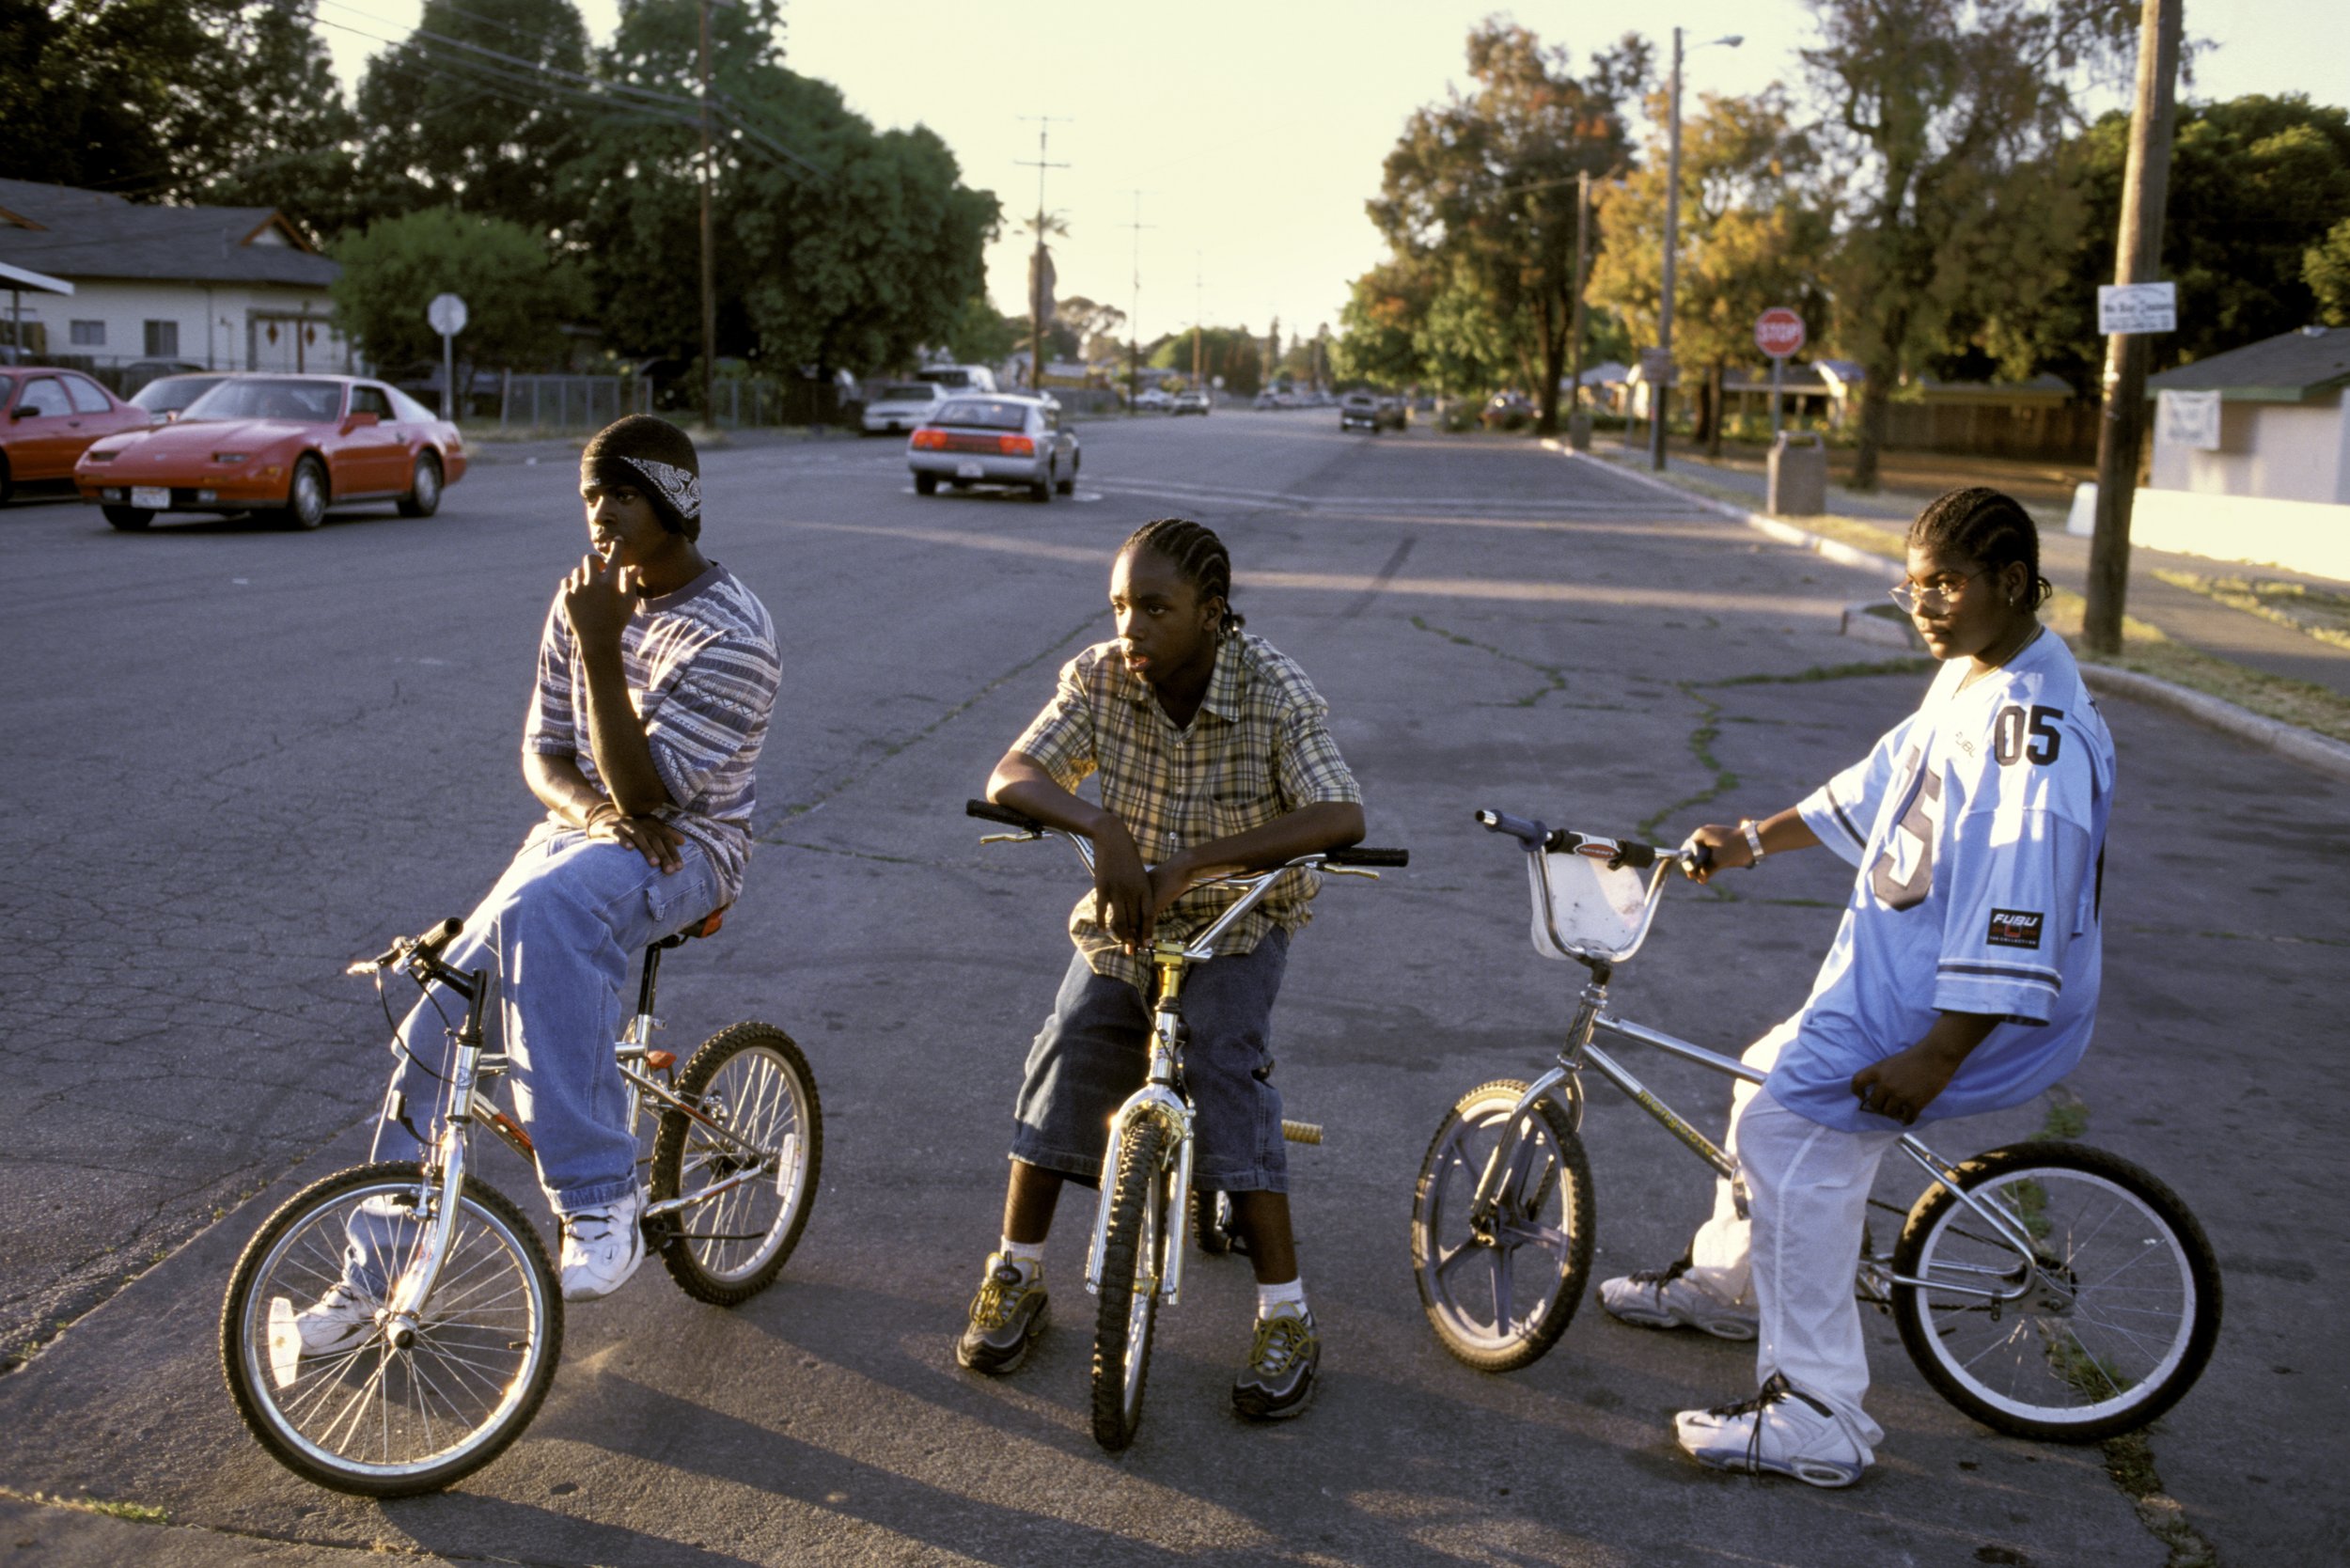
(226, 288)
(2268, 419)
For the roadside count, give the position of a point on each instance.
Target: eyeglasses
(1939, 592)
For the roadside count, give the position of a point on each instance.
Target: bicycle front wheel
(357, 1411)
(754, 1143)
(2110, 1326)
(1501, 1295)
(1133, 1261)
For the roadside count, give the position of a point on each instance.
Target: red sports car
(290, 445)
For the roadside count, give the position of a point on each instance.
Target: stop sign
(1778, 332)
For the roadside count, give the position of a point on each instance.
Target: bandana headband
(680, 487)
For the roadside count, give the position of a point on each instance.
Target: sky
(1254, 129)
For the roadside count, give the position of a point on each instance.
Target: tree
(1936, 104)
(1378, 338)
(1480, 191)
(1232, 352)
(983, 334)
(1752, 232)
(2325, 268)
(516, 300)
(481, 107)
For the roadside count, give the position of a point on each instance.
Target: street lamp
(1658, 393)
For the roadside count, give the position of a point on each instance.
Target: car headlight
(94, 455)
(232, 457)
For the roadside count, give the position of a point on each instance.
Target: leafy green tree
(1379, 327)
(1233, 353)
(1752, 231)
(1934, 105)
(1481, 190)
(982, 335)
(481, 107)
(516, 300)
(2325, 268)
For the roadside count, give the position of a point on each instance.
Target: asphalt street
(240, 756)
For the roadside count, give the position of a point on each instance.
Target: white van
(959, 378)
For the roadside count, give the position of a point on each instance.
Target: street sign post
(447, 316)
(1778, 332)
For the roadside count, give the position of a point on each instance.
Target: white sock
(1025, 1252)
(1286, 1298)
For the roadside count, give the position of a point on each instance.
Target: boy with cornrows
(1212, 756)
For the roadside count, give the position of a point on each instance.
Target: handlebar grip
(1355, 855)
(1700, 858)
(1528, 834)
(987, 810)
(1618, 852)
(440, 936)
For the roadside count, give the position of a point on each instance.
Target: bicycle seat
(707, 926)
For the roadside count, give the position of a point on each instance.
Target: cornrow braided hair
(1197, 554)
(1982, 524)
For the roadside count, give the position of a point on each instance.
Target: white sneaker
(601, 1248)
(336, 1321)
(1668, 1299)
(1781, 1430)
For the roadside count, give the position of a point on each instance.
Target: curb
(2306, 747)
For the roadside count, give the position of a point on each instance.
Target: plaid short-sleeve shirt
(1259, 748)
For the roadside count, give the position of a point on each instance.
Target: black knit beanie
(655, 459)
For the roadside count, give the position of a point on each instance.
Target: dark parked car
(167, 396)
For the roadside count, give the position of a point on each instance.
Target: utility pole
(1134, 321)
(2138, 256)
(1198, 288)
(709, 262)
(1578, 436)
(1045, 124)
(1659, 395)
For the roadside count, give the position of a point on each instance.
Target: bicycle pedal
(1301, 1132)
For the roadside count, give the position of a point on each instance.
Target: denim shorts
(1095, 1050)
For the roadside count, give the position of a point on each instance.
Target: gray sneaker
(1008, 1312)
(1279, 1381)
(1667, 1298)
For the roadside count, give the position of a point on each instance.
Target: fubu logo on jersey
(2013, 928)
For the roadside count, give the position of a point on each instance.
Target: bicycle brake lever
(1010, 837)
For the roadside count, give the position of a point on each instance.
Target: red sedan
(290, 445)
(48, 416)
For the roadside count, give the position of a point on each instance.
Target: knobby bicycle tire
(731, 1247)
(487, 1342)
(1503, 1331)
(1134, 1253)
(2120, 1331)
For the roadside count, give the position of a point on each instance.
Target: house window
(89, 334)
(162, 339)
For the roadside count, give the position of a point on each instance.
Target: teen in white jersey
(1963, 979)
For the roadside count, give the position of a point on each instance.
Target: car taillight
(930, 441)
(1015, 446)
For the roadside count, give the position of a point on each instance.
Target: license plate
(970, 470)
(154, 498)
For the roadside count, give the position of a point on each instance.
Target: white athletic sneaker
(601, 1248)
(336, 1321)
(1781, 1430)
(1668, 1299)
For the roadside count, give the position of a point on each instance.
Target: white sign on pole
(2189, 420)
(446, 314)
(2125, 309)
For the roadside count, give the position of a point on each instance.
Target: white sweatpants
(1807, 1200)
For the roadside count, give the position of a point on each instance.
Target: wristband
(1754, 839)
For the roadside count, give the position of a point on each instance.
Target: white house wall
(222, 326)
(2275, 451)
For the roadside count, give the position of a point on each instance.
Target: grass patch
(2311, 611)
(137, 1514)
(2130, 1461)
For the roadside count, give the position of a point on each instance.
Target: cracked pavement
(244, 757)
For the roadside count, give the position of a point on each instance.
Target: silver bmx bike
(2047, 1289)
(1136, 1260)
(467, 1313)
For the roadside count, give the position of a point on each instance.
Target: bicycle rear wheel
(1500, 1298)
(368, 1416)
(1133, 1261)
(751, 1086)
(2121, 1314)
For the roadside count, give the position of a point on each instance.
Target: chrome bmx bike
(467, 1311)
(2047, 1289)
(1136, 1263)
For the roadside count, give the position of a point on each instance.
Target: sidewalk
(2181, 614)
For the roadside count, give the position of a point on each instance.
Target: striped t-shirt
(703, 673)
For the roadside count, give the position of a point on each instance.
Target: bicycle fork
(1158, 1101)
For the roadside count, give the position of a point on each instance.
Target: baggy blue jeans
(559, 932)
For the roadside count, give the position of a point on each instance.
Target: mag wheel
(2107, 1329)
(363, 1412)
(753, 1142)
(1133, 1261)
(424, 489)
(1501, 1292)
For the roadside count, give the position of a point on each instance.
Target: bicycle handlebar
(1354, 855)
(425, 947)
(1616, 851)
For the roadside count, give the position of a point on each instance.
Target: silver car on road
(1000, 439)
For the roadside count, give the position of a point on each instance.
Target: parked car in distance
(901, 406)
(998, 440)
(958, 378)
(1358, 411)
(1153, 400)
(49, 417)
(1194, 401)
(289, 444)
(1507, 411)
(1393, 412)
(167, 396)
